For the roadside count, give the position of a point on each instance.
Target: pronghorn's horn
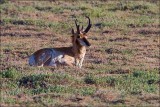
(89, 25)
(76, 22)
(82, 28)
(78, 31)
(72, 31)
(77, 26)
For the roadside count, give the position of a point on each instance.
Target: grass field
(121, 68)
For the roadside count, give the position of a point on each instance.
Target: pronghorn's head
(80, 37)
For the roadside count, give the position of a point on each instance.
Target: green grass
(10, 73)
(58, 83)
(95, 12)
(57, 10)
(134, 83)
(41, 80)
(140, 21)
(89, 79)
(128, 52)
(3, 1)
(39, 23)
(137, 7)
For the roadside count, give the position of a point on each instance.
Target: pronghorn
(73, 55)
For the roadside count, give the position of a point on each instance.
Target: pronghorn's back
(51, 56)
(73, 55)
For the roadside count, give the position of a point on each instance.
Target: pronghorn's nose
(86, 42)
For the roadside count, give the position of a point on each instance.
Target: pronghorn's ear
(72, 31)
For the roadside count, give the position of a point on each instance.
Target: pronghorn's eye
(81, 35)
(78, 36)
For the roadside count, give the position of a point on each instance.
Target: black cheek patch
(86, 42)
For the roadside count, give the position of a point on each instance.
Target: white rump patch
(57, 57)
(31, 60)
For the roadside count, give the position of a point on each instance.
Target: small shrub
(137, 7)
(50, 9)
(54, 88)
(135, 90)
(109, 24)
(3, 1)
(44, 80)
(137, 82)
(87, 90)
(10, 73)
(138, 74)
(33, 81)
(43, 8)
(89, 79)
(26, 9)
(57, 10)
(95, 12)
(127, 51)
(6, 21)
(111, 81)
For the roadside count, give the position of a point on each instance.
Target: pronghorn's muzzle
(86, 42)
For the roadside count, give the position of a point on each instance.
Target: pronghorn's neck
(78, 50)
(79, 53)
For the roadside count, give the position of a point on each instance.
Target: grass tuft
(3, 1)
(10, 73)
(89, 79)
(137, 7)
(33, 81)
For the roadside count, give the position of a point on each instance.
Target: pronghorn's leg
(46, 59)
(68, 63)
(76, 61)
(80, 62)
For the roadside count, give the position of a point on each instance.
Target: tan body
(73, 55)
(58, 56)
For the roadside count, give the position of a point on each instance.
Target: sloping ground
(121, 68)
